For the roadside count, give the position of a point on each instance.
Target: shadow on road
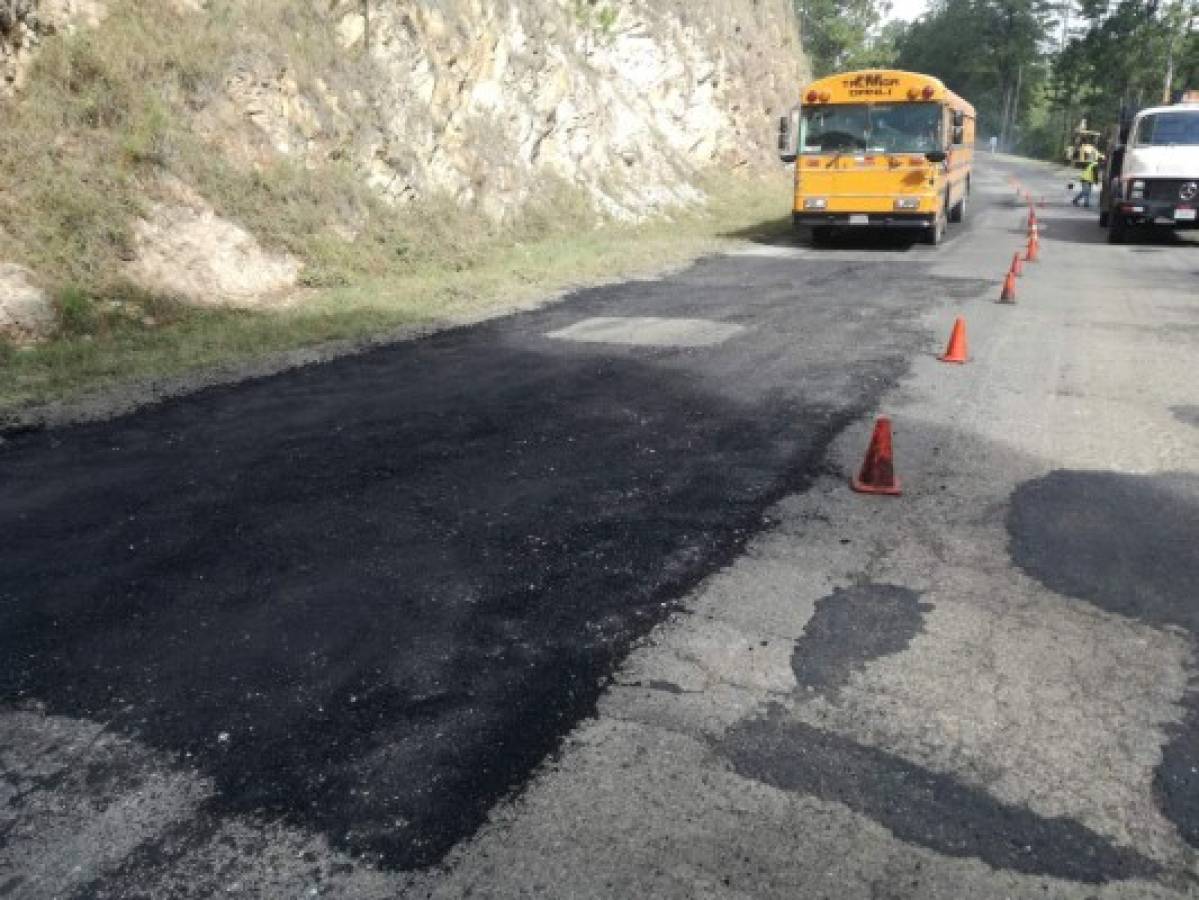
(1084, 229)
(782, 232)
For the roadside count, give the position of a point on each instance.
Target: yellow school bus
(879, 148)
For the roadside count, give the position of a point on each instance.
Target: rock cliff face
(23, 24)
(485, 99)
(495, 104)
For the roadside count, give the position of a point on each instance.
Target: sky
(906, 9)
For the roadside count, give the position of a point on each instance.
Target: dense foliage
(1034, 69)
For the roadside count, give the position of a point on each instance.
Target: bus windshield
(872, 128)
(1168, 128)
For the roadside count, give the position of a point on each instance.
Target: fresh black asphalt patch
(852, 626)
(848, 629)
(921, 806)
(367, 598)
(1126, 543)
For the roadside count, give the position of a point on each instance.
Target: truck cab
(1153, 174)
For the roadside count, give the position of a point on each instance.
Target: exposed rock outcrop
(485, 101)
(184, 250)
(25, 311)
(23, 24)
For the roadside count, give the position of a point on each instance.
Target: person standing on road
(1090, 175)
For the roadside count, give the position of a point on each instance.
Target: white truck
(1152, 175)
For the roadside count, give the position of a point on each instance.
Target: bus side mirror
(959, 118)
(936, 156)
(787, 149)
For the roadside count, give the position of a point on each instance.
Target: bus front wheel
(958, 213)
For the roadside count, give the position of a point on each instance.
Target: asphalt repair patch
(368, 598)
(852, 626)
(848, 629)
(921, 806)
(1188, 415)
(1127, 544)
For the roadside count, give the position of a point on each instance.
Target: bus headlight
(907, 203)
(815, 203)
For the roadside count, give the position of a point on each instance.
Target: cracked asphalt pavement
(577, 602)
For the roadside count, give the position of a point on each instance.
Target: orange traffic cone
(1032, 216)
(877, 475)
(956, 351)
(1008, 294)
(1033, 250)
(1017, 267)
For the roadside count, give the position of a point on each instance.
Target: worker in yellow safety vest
(1087, 180)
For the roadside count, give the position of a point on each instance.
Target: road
(577, 602)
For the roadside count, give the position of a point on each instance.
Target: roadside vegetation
(104, 342)
(108, 112)
(1033, 68)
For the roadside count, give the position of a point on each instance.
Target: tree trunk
(1007, 100)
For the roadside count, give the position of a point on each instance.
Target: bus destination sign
(870, 85)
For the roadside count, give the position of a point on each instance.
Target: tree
(1133, 53)
(837, 34)
(1032, 68)
(992, 52)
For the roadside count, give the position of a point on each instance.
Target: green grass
(482, 275)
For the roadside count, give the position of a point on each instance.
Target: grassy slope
(108, 112)
(504, 275)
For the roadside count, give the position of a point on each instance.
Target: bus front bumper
(864, 220)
